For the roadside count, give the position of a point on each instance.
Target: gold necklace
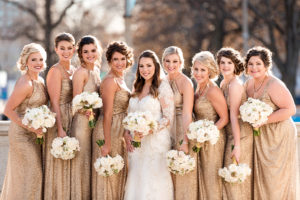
(201, 92)
(256, 90)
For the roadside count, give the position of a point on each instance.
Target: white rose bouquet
(40, 117)
(107, 166)
(180, 163)
(142, 122)
(87, 101)
(235, 173)
(202, 131)
(256, 113)
(65, 148)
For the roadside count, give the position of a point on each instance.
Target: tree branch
(62, 15)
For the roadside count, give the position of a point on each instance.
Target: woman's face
(65, 50)
(35, 62)
(146, 68)
(256, 67)
(200, 73)
(89, 53)
(118, 63)
(172, 64)
(226, 66)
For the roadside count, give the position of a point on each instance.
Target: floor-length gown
(111, 188)
(23, 179)
(148, 175)
(276, 173)
(57, 171)
(210, 158)
(243, 190)
(186, 186)
(81, 166)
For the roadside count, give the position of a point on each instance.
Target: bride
(148, 176)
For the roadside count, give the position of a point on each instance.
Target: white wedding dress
(148, 175)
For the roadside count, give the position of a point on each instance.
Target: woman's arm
(79, 80)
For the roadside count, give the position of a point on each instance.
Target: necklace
(201, 91)
(260, 85)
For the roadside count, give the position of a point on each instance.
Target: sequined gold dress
(210, 158)
(276, 173)
(243, 190)
(186, 186)
(57, 171)
(111, 188)
(23, 179)
(81, 166)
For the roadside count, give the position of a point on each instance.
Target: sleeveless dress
(57, 171)
(210, 158)
(186, 186)
(111, 188)
(148, 175)
(243, 190)
(81, 165)
(23, 179)
(276, 173)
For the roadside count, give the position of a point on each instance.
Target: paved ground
(3, 157)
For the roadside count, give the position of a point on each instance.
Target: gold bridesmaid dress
(111, 188)
(243, 190)
(186, 186)
(276, 173)
(210, 156)
(23, 179)
(81, 164)
(57, 171)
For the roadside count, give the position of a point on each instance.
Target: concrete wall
(4, 148)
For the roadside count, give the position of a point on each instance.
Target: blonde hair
(26, 52)
(207, 59)
(174, 50)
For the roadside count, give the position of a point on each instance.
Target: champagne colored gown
(186, 186)
(111, 188)
(243, 190)
(81, 166)
(57, 171)
(276, 173)
(210, 158)
(23, 179)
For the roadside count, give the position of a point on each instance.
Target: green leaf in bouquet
(100, 142)
(256, 131)
(39, 141)
(196, 149)
(136, 144)
(92, 123)
(180, 142)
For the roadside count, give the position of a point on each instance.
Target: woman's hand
(61, 133)
(128, 140)
(236, 153)
(38, 132)
(105, 149)
(184, 147)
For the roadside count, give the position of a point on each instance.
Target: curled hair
(85, 40)
(207, 59)
(122, 48)
(64, 37)
(264, 54)
(140, 81)
(234, 56)
(26, 52)
(174, 50)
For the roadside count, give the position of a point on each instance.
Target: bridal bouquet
(141, 122)
(255, 112)
(40, 117)
(65, 148)
(107, 166)
(235, 173)
(203, 131)
(180, 163)
(87, 101)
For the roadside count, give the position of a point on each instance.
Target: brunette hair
(234, 56)
(64, 37)
(264, 54)
(122, 48)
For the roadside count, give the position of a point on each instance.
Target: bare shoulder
(236, 84)
(81, 71)
(276, 82)
(109, 82)
(213, 91)
(24, 85)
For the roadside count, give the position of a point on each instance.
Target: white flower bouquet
(87, 101)
(40, 117)
(202, 131)
(256, 113)
(107, 166)
(65, 148)
(235, 173)
(141, 122)
(180, 163)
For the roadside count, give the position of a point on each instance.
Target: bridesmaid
(86, 79)
(275, 149)
(186, 187)
(115, 96)
(23, 179)
(238, 133)
(209, 104)
(59, 85)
